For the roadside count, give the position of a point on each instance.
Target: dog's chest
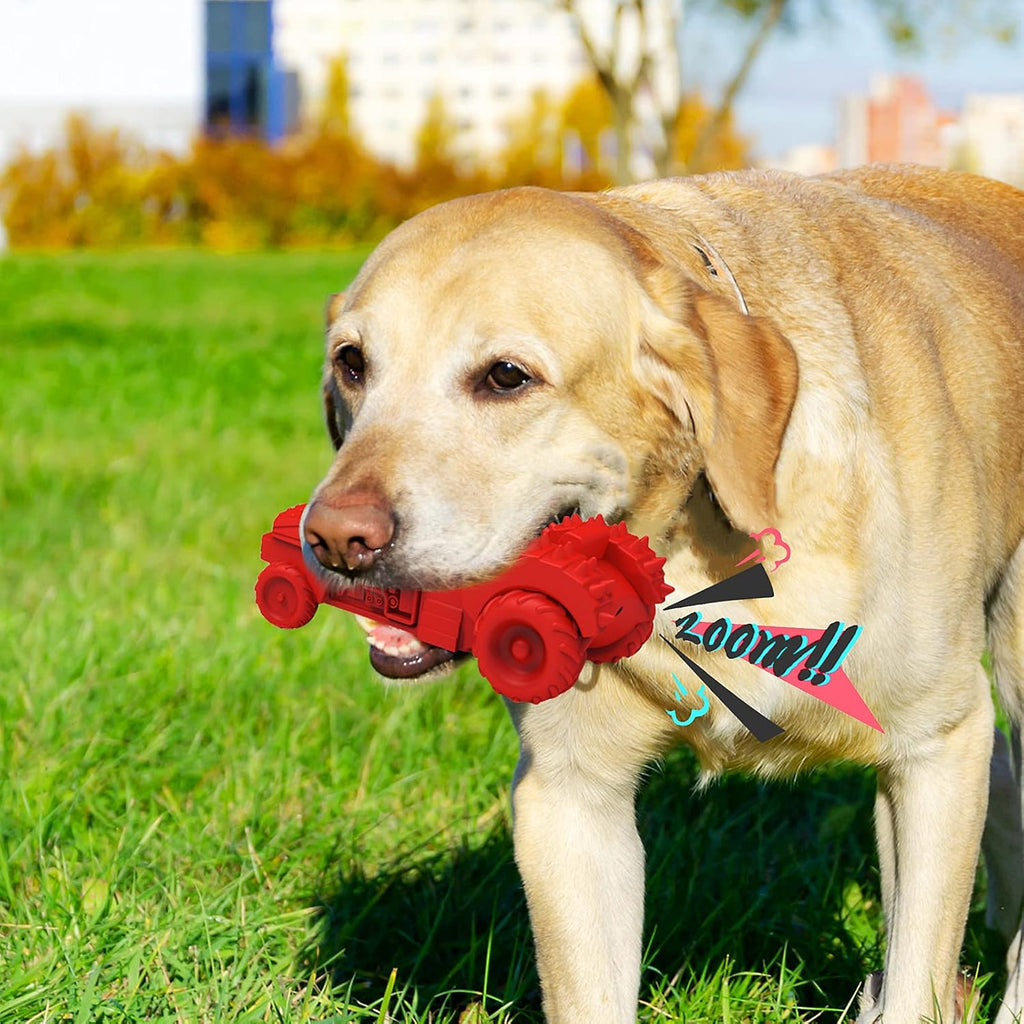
(708, 688)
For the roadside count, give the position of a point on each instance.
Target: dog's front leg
(580, 857)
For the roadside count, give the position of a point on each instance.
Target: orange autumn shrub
(99, 188)
(86, 192)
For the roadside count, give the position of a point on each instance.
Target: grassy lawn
(203, 818)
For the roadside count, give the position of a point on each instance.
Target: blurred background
(249, 123)
(206, 819)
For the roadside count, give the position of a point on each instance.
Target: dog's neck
(697, 523)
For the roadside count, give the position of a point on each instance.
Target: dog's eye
(349, 359)
(506, 376)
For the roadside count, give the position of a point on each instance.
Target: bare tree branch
(644, 59)
(657, 73)
(620, 10)
(772, 16)
(603, 64)
(667, 106)
(619, 93)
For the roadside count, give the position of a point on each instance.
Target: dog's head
(504, 360)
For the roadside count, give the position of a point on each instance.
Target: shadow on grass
(745, 873)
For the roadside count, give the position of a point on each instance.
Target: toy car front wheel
(284, 597)
(527, 646)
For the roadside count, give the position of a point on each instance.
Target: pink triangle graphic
(839, 691)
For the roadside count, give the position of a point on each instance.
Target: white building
(991, 136)
(808, 159)
(484, 58)
(852, 131)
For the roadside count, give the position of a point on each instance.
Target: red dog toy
(583, 590)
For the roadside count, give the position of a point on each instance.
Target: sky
(89, 49)
(793, 93)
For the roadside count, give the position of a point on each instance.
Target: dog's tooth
(394, 641)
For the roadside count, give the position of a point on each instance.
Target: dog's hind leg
(1003, 841)
(1004, 837)
(931, 812)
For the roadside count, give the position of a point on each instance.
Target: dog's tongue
(397, 654)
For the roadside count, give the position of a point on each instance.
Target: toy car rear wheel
(284, 597)
(528, 647)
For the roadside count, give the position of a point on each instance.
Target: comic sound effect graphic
(808, 659)
(696, 712)
(759, 554)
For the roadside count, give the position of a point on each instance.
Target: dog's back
(917, 276)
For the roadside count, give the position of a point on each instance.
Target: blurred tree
(768, 14)
(634, 47)
(587, 112)
(435, 139)
(723, 149)
(638, 50)
(334, 111)
(533, 153)
(327, 176)
(86, 190)
(438, 172)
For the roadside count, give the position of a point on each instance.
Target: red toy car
(581, 591)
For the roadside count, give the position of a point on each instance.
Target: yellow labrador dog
(840, 358)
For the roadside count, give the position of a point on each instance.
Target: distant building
(896, 123)
(483, 58)
(809, 158)
(852, 133)
(991, 136)
(165, 70)
(245, 90)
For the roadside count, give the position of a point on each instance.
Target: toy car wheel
(284, 597)
(528, 647)
(636, 584)
(626, 646)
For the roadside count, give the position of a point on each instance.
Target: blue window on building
(245, 91)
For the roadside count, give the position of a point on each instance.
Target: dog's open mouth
(397, 654)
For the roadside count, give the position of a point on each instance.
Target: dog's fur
(870, 406)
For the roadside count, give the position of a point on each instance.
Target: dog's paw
(965, 1000)
(870, 994)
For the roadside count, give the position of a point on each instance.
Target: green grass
(203, 818)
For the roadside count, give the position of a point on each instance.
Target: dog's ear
(336, 414)
(733, 376)
(333, 307)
